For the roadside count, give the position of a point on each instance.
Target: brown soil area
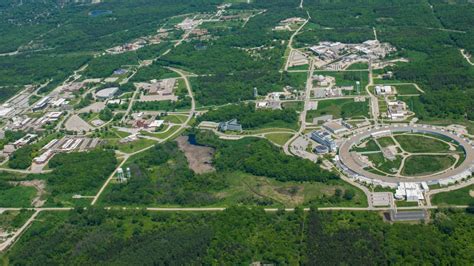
(199, 157)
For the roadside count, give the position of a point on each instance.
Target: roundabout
(403, 153)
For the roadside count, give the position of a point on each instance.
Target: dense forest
(261, 158)
(76, 173)
(251, 118)
(161, 175)
(242, 236)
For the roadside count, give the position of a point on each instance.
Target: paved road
(373, 99)
(290, 42)
(183, 126)
(309, 86)
(466, 57)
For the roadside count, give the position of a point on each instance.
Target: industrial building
(107, 93)
(397, 110)
(412, 192)
(335, 127)
(41, 104)
(231, 125)
(383, 90)
(324, 138)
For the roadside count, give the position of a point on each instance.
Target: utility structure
(129, 173)
(121, 176)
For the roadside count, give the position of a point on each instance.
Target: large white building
(412, 192)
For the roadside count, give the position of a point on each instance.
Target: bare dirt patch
(471, 193)
(199, 157)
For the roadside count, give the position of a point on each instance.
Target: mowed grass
(345, 108)
(279, 138)
(417, 165)
(175, 119)
(463, 196)
(421, 144)
(407, 89)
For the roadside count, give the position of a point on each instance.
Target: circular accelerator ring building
(351, 165)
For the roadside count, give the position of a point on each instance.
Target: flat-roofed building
(335, 128)
(324, 138)
(107, 93)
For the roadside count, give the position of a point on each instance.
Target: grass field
(407, 89)
(348, 78)
(175, 119)
(17, 196)
(421, 143)
(370, 146)
(244, 188)
(303, 67)
(386, 141)
(279, 138)
(463, 196)
(383, 164)
(297, 106)
(135, 145)
(345, 108)
(416, 165)
(363, 66)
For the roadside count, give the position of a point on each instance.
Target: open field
(345, 108)
(279, 138)
(416, 165)
(383, 164)
(348, 78)
(407, 89)
(463, 196)
(421, 143)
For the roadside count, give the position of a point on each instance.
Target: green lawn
(370, 146)
(416, 165)
(386, 141)
(407, 89)
(279, 138)
(175, 119)
(420, 143)
(345, 108)
(456, 197)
